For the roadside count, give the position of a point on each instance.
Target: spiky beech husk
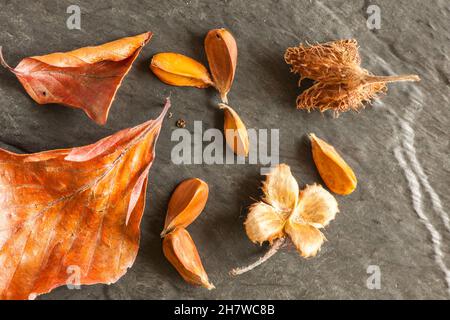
(340, 82)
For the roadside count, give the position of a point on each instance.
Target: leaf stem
(3, 62)
(222, 106)
(408, 77)
(273, 249)
(224, 97)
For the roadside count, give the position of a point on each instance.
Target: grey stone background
(379, 223)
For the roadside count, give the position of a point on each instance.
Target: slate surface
(398, 147)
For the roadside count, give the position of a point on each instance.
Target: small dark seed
(181, 123)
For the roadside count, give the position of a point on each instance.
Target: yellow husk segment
(316, 206)
(288, 212)
(306, 238)
(281, 189)
(264, 223)
(335, 172)
(179, 70)
(235, 131)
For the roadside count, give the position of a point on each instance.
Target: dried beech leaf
(179, 70)
(281, 189)
(221, 51)
(264, 223)
(186, 203)
(316, 206)
(306, 238)
(335, 172)
(341, 84)
(73, 209)
(86, 78)
(180, 250)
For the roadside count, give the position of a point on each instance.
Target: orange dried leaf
(221, 51)
(178, 70)
(187, 202)
(73, 209)
(86, 78)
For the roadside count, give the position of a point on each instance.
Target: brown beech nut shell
(236, 134)
(186, 203)
(180, 250)
(335, 172)
(221, 51)
(179, 70)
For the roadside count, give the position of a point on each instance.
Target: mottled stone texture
(379, 223)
